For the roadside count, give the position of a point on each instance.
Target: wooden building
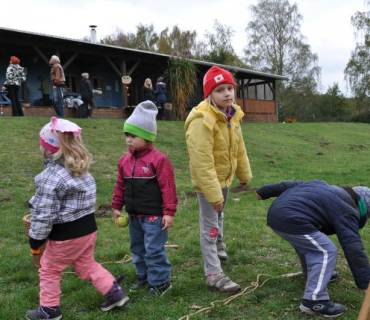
(107, 65)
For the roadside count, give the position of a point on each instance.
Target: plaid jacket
(60, 198)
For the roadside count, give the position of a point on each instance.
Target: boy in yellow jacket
(217, 152)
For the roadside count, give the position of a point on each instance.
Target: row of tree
(275, 45)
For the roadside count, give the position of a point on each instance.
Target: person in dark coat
(147, 92)
(161, 92)
(87, 96)
(304, 214)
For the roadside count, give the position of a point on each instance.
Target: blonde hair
(151, 84)
(77, 158)
(85, 75)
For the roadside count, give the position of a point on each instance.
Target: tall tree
(357, 71)
(145, 38)
(277, 46)
(217, 46)
(332, 104)
(177, 42)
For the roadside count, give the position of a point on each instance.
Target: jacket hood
(212, 114)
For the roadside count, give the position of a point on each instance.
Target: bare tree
(218, 47)
(145, 38)
(357, 71)
(277, 46)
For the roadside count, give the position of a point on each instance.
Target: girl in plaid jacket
(63, 212)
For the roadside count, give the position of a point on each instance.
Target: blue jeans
(148, 251)
(58, 101)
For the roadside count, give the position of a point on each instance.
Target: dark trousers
(45, 99)
(161, 111)
(86, 104)
(16, 105)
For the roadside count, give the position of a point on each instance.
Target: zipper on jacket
(132, 175)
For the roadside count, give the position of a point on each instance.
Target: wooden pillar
(274, 97)
(365, 309)
(255, 92)
(244, 106)
(124, 91)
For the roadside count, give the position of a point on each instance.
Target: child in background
(146, 187)
(63, 212)
(217, 151)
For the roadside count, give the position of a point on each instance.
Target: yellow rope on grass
(228, 300)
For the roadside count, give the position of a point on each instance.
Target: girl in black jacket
(147, 92)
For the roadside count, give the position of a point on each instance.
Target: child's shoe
(222, 283)
(334, 277)
(141, 283)
(221, 253)
(156, 291)
(325, 308)
(116, 297)
(51, 313)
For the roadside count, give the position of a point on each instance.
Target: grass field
(336, 152)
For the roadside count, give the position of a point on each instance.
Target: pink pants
(58, 255)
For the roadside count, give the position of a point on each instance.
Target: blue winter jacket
(160, 92)
(307, 207)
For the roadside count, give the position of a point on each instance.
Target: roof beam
(113, 66)
(70, 60)
(133, 68)
(41, 54)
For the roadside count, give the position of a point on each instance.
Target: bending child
(146, 187)
(217, 152)
(63, 212)
(303, 214)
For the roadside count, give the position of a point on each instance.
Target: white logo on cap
(219, 78)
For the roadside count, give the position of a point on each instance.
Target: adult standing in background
(57, 80)
(44, 88)
(87, 96)
(160, 92)
(15, 75)
(147, 92)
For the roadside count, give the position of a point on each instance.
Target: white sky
(326, 23)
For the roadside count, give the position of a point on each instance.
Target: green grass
(336, 152)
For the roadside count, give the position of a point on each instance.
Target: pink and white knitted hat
(49, 137)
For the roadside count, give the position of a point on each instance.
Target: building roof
(240, 72)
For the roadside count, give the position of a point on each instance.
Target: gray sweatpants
(211, 225)
(318, 257)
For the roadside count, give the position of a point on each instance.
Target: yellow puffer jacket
(216, 150)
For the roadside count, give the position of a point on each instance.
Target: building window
(98, 85)
(72, 83)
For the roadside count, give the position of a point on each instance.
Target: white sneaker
(222, 283)
(221, 253)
